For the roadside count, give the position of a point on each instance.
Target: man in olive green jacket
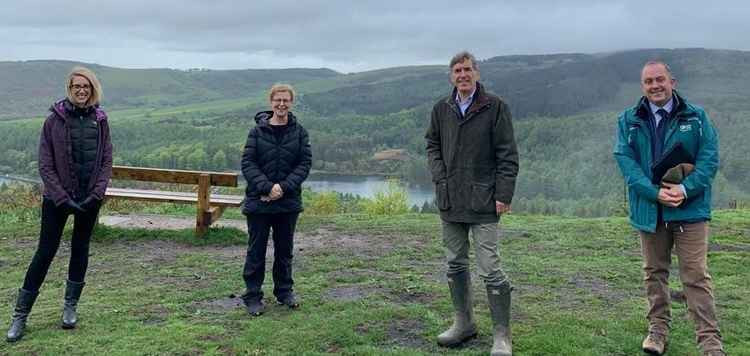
(474, 163)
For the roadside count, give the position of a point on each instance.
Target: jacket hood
(64, 106)
(262, 118)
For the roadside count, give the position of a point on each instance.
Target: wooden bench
(210, 206)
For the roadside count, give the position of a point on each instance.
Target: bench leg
(204, 203)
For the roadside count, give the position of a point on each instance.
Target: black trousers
(53, 223)
(259, 227)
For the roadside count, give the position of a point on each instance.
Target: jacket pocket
(482, 200)
(441, 195)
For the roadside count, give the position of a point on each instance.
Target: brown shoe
(654, 344)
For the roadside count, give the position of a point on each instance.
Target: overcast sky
(351, 36)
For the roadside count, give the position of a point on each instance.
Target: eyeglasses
(79, 87)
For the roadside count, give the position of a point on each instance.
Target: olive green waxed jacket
(473, 160)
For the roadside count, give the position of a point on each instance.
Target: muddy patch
(364, 246)
(597, 287)
(580, 286)
(351, 293)
(406, 333)
(166, 222)
(220, 305)
(714, 247)
(351, 276)
(152, 314)
(407, 297)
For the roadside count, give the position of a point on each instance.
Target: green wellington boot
(463, 327)
(499, 300)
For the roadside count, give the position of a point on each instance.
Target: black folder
(672, 157)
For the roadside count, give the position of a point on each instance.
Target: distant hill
(554, 85)
(534, 85)
(27, 88)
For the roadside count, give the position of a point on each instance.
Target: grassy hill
(28, 87)
(382, 290)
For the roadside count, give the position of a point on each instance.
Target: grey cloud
(348, 35)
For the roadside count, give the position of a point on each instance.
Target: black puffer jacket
(84, 136)
(269, 159)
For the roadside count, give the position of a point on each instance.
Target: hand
(89, 203)
(73, 207)
(670, 195)
(265, 198)
(501, 208)
(276, 192)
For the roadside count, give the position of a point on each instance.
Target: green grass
(369, 286)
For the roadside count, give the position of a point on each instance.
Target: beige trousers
(485, 236)
(690, 244)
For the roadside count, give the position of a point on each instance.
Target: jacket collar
(679, 107)
(64, 106)
(480, 99)
(262, 119)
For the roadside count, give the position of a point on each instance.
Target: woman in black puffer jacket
(275, 162)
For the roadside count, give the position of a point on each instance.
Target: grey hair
(462, 56)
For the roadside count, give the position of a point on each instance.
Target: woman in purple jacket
(75, 164)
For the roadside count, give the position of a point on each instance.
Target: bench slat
(172, 197)
(172, 176)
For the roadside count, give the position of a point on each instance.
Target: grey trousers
(485, 236)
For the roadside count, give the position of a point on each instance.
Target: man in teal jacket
(670, 216)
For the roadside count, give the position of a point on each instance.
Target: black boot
(499, 300)
(72, 294)
(24, 303)
(253, 303)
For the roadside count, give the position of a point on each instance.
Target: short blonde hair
(96, 87)
(280, 88)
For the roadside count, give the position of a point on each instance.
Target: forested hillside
(565, 107)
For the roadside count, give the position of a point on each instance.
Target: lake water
(365, 186)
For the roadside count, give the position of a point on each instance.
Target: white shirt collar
(668, 106)
(468, 98)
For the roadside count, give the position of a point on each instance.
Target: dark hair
(659, 61)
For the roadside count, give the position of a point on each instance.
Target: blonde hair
(96, 87)
(280, 88)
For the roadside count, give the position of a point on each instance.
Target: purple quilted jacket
(56, 156)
